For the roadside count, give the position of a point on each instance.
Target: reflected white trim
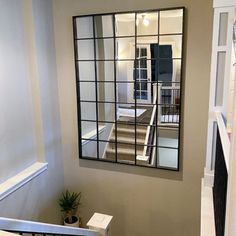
(93, 134)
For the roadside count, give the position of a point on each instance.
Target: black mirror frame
(78, 84)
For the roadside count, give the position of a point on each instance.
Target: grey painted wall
(143, 201)
(16, 125)
(30, 110)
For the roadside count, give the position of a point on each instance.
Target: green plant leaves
(69, 202)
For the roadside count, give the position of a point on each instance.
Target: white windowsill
(17, 181)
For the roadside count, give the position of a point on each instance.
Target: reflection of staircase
(125, 143)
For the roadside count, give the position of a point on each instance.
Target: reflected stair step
(128, 140)
(123, 151)
(129, 126)
(131, 131)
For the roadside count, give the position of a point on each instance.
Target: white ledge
(17, 181)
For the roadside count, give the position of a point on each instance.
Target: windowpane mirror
(129, 80)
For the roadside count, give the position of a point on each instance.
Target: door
(141, 74)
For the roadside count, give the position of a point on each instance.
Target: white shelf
(17, 181)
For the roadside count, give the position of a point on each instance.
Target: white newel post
(100, 223)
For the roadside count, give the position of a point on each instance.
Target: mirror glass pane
(125, 48)
(108, 131)
(171, 21)
(126, 152)
(84, 26)
(125, 24)
(129, 87)
(168, 137)
(105, 49)
(106, 151)
(106, 92)
(105, 71)
(106, 112)
(170, 46)
(103, 26)
(88, 111)
(85, 49)
(86, 69)
(89, 149)
(89, 130)
(147, 23)
(87, 91)
(167, 72)
(168, 158)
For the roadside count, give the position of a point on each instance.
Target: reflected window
(129, 79)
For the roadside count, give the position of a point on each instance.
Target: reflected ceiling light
(145, 21)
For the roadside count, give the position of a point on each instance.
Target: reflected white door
(142, 76)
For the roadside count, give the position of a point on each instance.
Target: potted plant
(69, 203)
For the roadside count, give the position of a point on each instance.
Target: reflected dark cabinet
(129, 81)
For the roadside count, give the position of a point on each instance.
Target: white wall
(30, 110)
(143, 201)
(18, 147)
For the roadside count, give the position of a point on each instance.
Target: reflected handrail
(152, 120)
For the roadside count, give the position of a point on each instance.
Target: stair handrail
(15, 225)
(154, 110)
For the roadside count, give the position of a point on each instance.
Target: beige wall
(143, 201)
(30, 111)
